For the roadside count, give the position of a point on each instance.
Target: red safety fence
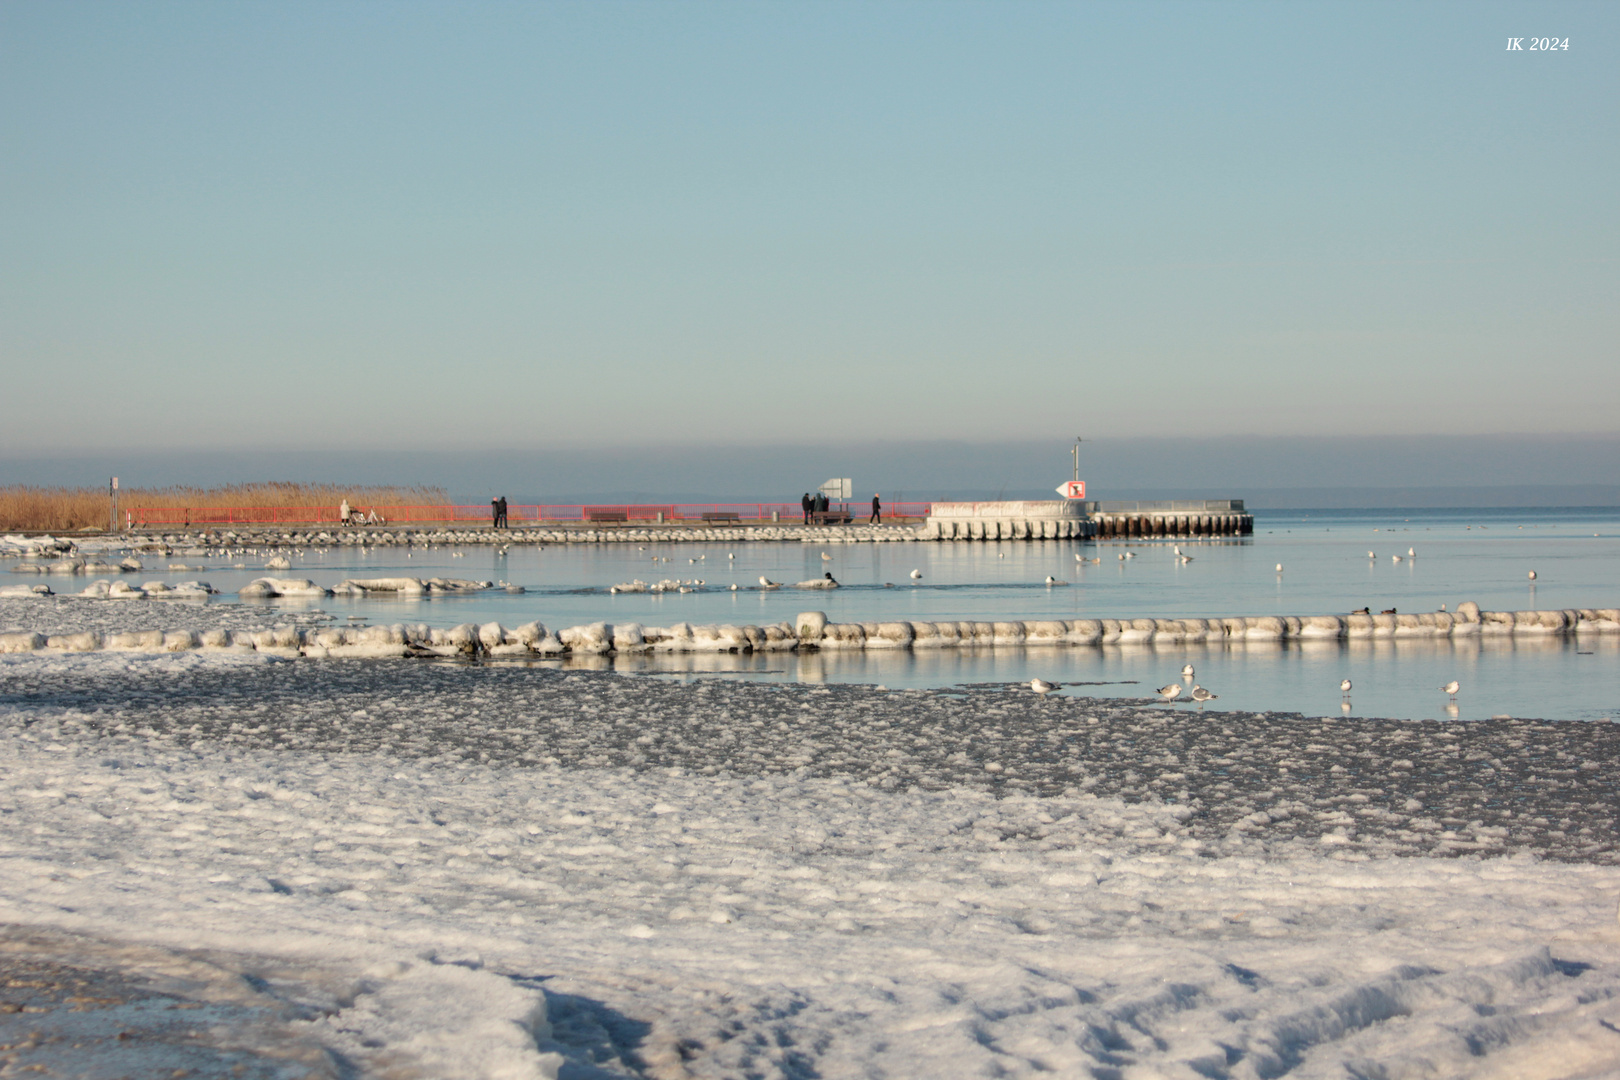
(137, 517)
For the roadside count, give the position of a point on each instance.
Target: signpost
(838, 489)
(1072, 489)
(112, 497)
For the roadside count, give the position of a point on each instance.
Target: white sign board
(1072, 489)
(838, 489)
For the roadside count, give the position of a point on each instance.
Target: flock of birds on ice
(1171, 692)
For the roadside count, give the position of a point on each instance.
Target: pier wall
(1179, 518)
(1047, 519)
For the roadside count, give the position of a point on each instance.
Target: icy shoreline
(722, 879)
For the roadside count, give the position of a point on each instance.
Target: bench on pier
(830, 517)
(601, 515)
(713, 516)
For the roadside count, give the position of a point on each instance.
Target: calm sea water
(1484, 555)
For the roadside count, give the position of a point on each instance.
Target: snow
(451, 870)
(270, 587)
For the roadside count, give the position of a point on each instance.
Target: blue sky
(614, 225)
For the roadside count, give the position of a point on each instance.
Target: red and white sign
(1073, 489)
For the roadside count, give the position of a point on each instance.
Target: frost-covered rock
(398, 586)
(457, 585)
(810, 625)
(25, 590)
(19, 642)
(271, 587)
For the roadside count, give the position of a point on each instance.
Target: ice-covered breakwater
(812, 630)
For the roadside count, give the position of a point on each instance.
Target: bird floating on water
(1169, 693)
(1050, 580)
(1396, 558)
(1279, 568)
(1451, 688)
(826, 557)
(1372, 555)
(767, 583)
(1041, 686)
(1200, 695)
(1532, 575)
(1185, 559)
(916, 575)
(1411, 553)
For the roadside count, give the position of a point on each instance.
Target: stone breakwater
(209, 541)
(812, 630)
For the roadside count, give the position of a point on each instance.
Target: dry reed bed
(43, 509)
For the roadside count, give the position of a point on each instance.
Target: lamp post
(112, 496)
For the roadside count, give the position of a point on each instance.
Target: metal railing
(525, 515)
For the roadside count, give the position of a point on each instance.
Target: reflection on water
(1551, 678)
(1335, 562)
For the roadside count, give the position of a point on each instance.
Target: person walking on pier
(877, 512)
(805, 504)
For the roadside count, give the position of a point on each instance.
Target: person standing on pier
(877, 512)
(805, 504)
(494, 513)
(500, 518)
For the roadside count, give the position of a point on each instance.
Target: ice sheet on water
(781, 881)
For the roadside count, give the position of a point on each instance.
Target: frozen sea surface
(1484, 556)
(442, 870)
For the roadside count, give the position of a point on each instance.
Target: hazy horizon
(1363, 471)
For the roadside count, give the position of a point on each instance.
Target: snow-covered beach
(438, 869)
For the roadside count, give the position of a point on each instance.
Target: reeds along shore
(25, 508)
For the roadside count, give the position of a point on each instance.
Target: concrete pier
(1049, 519)
(1193, 517)
(1074, 519)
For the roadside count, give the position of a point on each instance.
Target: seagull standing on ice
(1532, 575)
(1187, 672)
(1451, 688)
(767, 583)
(1345, 686)
(1411, 553)
(916, 575)
(1279, 568)
(1041, 686)
(1200, 695)
(1169, 693)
